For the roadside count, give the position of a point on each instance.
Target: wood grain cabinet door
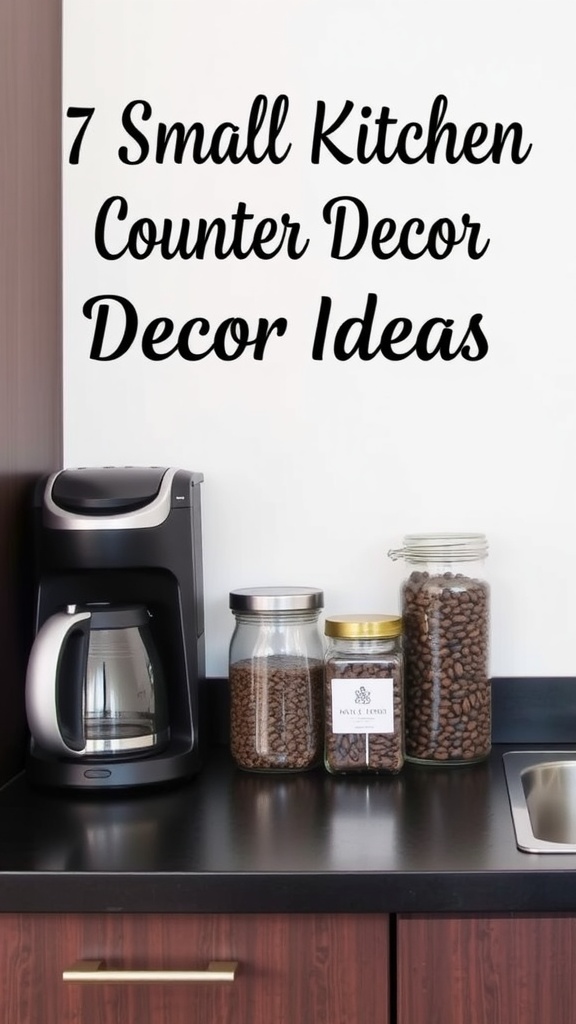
(499, 969)
(292, 969)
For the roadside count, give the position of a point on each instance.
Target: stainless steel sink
(542, 791)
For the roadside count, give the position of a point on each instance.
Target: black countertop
(430, 839)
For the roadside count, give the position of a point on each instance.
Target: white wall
(314, 469)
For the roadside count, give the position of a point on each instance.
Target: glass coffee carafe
(95, 685)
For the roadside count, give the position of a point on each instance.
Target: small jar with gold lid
(364, 715)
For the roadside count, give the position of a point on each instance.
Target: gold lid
(363, 627)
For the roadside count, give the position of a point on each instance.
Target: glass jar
(446, 616)
(364, 720)
(276, 676)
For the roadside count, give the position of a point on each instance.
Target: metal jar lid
(363, 627)
(276, 599)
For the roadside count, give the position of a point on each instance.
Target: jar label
(362, 705)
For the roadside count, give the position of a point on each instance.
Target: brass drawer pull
(95, 970)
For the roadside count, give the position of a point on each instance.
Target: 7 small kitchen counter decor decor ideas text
(346, 133)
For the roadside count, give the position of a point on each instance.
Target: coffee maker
(117, 554)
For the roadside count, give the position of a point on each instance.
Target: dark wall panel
(30, 315)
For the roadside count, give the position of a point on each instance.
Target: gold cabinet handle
(95, 970)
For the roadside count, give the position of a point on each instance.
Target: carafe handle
(54, 681)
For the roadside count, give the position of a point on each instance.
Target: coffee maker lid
(108, 490)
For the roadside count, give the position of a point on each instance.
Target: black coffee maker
(118, 588)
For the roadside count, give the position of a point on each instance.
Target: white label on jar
(362, 705)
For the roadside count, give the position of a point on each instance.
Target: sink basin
(542, 791)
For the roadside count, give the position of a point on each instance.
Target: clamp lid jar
(276, 672)
(446, 615)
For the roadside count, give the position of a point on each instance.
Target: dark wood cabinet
(305, 968)
(292, 968)
(30, 315)
(500, 969)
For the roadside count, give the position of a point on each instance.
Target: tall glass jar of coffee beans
(446, 616)
(364, 720)
(276, 676)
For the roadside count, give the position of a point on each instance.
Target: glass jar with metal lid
(276, 673)
(446, 615)
(364, 721)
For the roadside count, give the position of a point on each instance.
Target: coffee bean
(447, 689)
(276, 713)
